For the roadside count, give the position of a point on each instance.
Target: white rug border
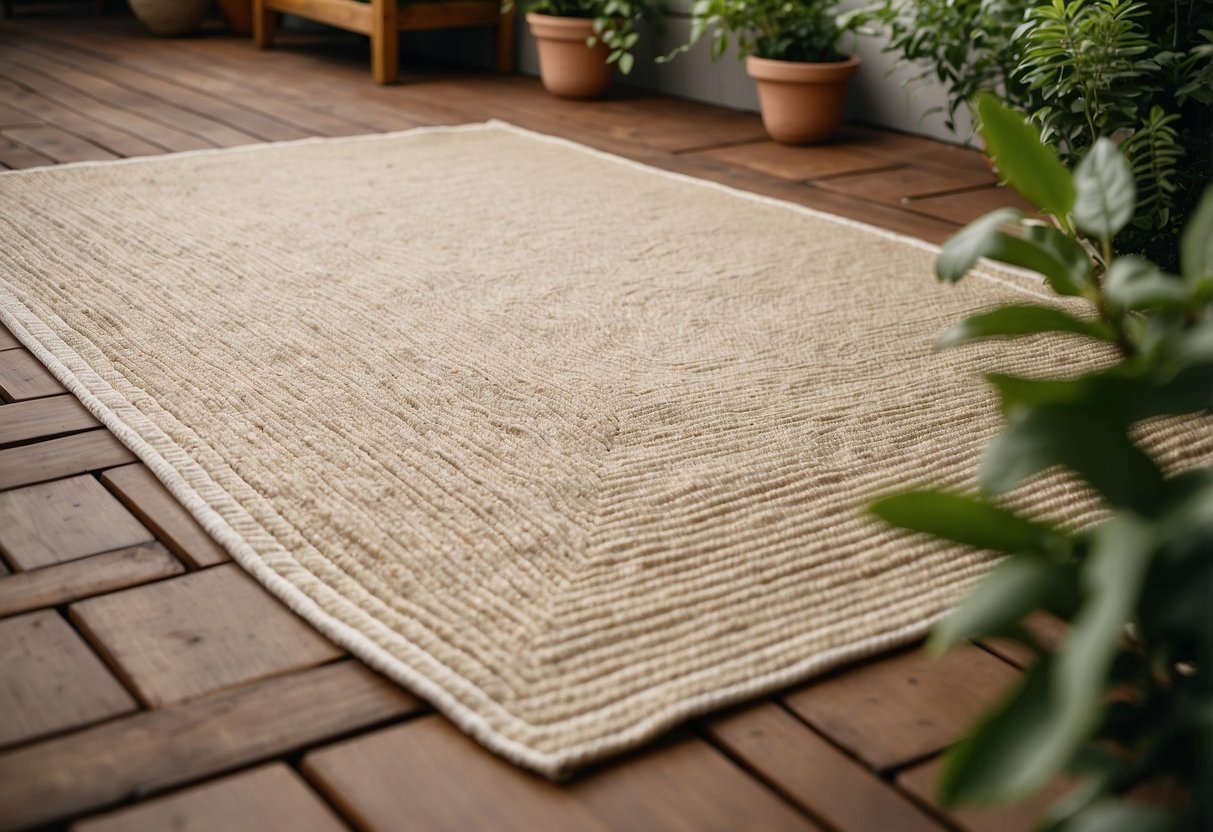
(553, 765)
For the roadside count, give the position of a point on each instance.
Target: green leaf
(966, 520)
(1031, 737)
(1017, 251)
(626, 60)
(1016, 587)
(1030, 166)
(966, 246)
(1065, 250)
(1123, 816)
(1080, 439)
(1196, 246)
(1022, 320)
(1133, 283)
(1105, 194)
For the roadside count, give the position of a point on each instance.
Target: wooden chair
(383, 20)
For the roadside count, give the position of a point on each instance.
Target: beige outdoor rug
(572, 448)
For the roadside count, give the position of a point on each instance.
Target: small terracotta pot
(801, 103)
(567, 67)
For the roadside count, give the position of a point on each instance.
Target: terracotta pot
(238, 15)
(170, 17)
(801, 103)
(567, 67)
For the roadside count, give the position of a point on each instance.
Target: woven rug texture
(572, 448)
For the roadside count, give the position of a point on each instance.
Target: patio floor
(114, 711)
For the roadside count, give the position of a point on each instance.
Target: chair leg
(385, 41)
(265, 24)
(505, 42)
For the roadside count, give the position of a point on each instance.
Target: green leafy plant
(1124, 703)
(964, 44)
(781, 30)
(1139, 71)
(614, 22)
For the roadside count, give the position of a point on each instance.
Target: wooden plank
(7, 340)
(448, 14)
(1048, 630)
(63, 520)
(832, 787)
(180, 639)
(151, 751)
(203, 76)
(44, 111)
(43, 419)
(966, 206)
(899, 184)
(909, 149)
(51, 680)
(156, 132)
(428, 772)
(62, 584)
(17, 157)
(1021, 817)
(678, 126)
(798, 163)
(134, 101)
(165, 88)
(905, 707)
(11, 116)
(57, 144)
(23, 378)
(79, 453)
(310, 79)
(270, 797)
(152, 503)
(344, 14)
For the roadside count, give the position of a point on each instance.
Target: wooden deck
(134, 695)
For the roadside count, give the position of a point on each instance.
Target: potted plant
(791, 51)
(1119, 704)
(1138, 71)
(581, 42)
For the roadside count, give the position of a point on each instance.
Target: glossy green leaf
(1015, 588)
(966, 520)
(1033, 735)
(963, 249)
(1133, 283)
(1074, 259)
(1196, 246)
(1104, 192)
(1022, 320)
(1017, 251)
(1093, 447)
(1125, 816)
(1028, 165)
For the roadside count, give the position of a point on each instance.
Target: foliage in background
(1140, 71)
(614, 22)
(781, 30)
(1124, 704)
